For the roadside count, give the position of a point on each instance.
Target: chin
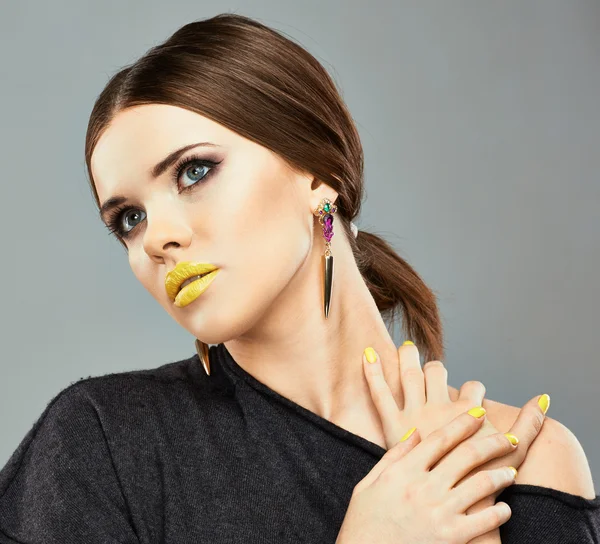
(208, 325)
(219, 315)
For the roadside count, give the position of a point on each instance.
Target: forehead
(137, 138)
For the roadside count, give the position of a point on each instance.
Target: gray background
(480, 123)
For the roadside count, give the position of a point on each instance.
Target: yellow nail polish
(477, 411)
(544, 402)
(408, 343)
(513, 439)
(407, 435)
(371, 355)
(514, 471)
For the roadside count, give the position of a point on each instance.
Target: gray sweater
(171, 455)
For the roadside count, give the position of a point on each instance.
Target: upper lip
(182, 272)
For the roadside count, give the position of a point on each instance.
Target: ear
(320, 191)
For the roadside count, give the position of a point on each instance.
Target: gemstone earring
(325, 212)
(202, 350)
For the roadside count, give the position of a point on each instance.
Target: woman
(225, 163)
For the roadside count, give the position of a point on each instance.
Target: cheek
(255, 225)
(262, 255)
(260, 235)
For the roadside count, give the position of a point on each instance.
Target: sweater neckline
(236, 373)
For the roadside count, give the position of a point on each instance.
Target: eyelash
(116, 216)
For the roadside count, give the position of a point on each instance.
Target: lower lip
(193, 290)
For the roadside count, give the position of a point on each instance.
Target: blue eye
(124, 220)
(132, 215)
(194, 166)
(121, 219)
(195, 172)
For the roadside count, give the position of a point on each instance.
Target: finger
(472, 454)
(411, 375)
(436, 383)
(473, 391)
(483, 503)
(474, 525)
(527, 427)
(382, 396)
(480, 486)
(410, 439)
(442, 440)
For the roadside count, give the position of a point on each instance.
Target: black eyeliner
(115, 217)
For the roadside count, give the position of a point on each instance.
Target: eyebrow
(155, 172)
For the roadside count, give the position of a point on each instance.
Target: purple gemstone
(328, 227)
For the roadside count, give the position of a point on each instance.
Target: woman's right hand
(401, 501)
(411, 495)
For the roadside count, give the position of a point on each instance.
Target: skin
(252, 217)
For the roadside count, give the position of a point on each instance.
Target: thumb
(395, 453)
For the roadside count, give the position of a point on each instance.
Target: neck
(317, 362)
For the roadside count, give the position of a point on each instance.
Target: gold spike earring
(325, 212)
(202, 350)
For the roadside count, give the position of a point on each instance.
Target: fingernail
(477, 411)
(370, 355)
(544, 402)
(513, 439)
(408, 343)
(514, 471)
(407, 435)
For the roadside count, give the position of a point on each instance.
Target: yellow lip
(193, 290)
(182, 272)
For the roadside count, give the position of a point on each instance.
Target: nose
(164, 233)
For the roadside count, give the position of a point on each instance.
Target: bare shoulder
(555, 459)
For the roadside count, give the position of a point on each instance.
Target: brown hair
(267, 88)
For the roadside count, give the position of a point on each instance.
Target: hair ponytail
(394, 284)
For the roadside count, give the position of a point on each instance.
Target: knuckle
(378, 386)
(441, 438)
(490, 500)
(473, 451)
(500, 442)
(483, 483)
(436, 370)
(537, 421)
(430, 487)
(532, 422)
(386, 476)
(474, 385)
(412, 491)
(434, 364)
(412, 373)
(489, 480)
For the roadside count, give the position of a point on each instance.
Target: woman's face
(249, 215)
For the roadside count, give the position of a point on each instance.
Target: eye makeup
(114, 222)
